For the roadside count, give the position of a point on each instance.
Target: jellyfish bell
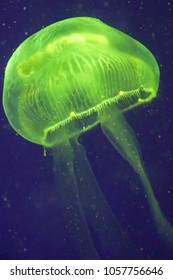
(64, 80)
(70, 71)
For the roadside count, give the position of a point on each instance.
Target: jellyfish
(61, 82)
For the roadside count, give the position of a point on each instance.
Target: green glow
(70, 71)
(64, 80)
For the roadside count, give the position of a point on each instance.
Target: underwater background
(31, 218)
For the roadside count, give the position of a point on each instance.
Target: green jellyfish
(63, 81)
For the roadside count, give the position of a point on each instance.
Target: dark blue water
(31, 214)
